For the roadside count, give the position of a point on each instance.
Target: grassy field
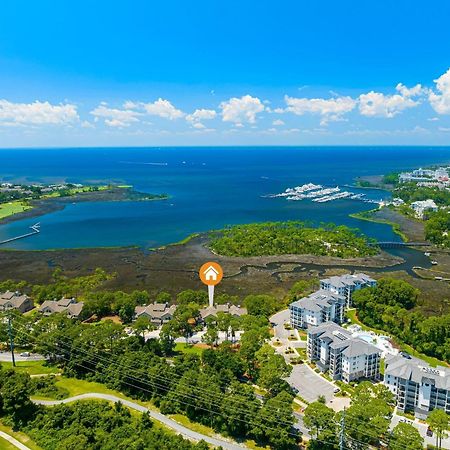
(21, 437)
(189, 349)
(11, 208)
(32, 367)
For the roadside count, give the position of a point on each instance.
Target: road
(6, 357)
(170, 423)
(13, 441)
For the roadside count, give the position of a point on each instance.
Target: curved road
(180, 429)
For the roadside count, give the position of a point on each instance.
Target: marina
(320, 194)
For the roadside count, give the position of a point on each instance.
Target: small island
(293, 237)
(19, 201)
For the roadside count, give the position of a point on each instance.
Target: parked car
(336, 390)
(25, 354)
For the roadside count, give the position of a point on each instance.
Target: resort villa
(418, 388)
(421, 207)
(235, 311)
(15, 300)
(68, 306)
(157, 313)
(347, 358)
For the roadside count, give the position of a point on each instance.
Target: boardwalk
(393, 244)
(35, 228)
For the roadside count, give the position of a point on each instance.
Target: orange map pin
(211, 274)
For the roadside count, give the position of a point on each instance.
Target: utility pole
(342, 432)
(11, 341)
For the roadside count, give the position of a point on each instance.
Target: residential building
(158, 313)
(236, 311)
(345, 357)
(321, 306)
(68, 306)
(418, 387)
(15, 300)
(420, 207)
(346, 284)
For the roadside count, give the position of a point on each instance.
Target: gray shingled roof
(318, 300)
(340, 338)
(416, 370)
(347, 279)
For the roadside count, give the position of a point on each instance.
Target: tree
(274, 422)
(142, 325)
(369, 415)
(318, 417)
(15, 395)
(261, 305)
(211, 335)
(405, 437)
(272, 370)
(439, 422)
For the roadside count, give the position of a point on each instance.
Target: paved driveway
(310, 385)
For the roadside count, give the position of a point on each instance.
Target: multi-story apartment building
(418, 387)
(319, 307)
(345, 357)
(345, 285)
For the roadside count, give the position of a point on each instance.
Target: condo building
(418, 388)
(345, 357)
(345, 285)
(319, 307)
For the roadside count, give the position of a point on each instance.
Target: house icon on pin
(210, 274)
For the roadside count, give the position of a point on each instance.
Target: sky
(293, 72)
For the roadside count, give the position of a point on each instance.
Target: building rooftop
(417, 370)
(226, 308)
(318, 300)
(348, 280)
(339, 338)
(155, 310)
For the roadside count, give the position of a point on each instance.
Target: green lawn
(78, 387)
(21, 437)
(5, 445)
(8, 209)
(186, 348)
(32, 367)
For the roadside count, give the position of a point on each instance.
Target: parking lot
(310, 385)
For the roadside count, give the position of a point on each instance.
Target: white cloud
(244, 109)
(376, 104)
(201, 114)
(331, 109)
(278, 123)
(163, 108)
(87, 124)
(441, 101)
(37, 113)
(130, 105)
(411, 92)
(113, 117)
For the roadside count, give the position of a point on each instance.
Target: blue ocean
(209, 187)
